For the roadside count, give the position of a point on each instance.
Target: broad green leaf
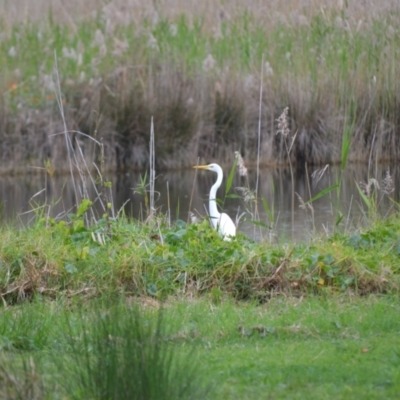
(83, 207)
(230, 177)
(366, 200)
(70, 268)
(268, 211)
(259, 223)
(345, 146)
(322, 193)
(339, 219)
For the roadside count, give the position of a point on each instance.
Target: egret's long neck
(213, 196)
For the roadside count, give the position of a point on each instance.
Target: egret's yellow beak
(201, 166)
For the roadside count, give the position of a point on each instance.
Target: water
(177, 191)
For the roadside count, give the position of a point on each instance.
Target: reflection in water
(20, 195)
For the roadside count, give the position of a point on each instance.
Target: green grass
(317, 349)
(308, 347)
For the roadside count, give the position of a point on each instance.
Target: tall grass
(20, 381)
(108, 349)
(198, 75)
(127, 355)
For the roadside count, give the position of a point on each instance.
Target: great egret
(221, 222)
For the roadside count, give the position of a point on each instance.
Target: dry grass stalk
(152, 167)
(318, 174)
(305, 206)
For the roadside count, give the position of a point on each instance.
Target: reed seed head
(268, 69)
(283, 123)
(248, 195)
(209, 63)
(303, 205)
(369, 186)
(388, 184)
(318, 174)
(240, 164)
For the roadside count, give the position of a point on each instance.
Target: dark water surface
(20, 195)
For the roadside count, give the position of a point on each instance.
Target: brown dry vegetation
(211, 112)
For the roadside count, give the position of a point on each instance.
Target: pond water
(178, 190)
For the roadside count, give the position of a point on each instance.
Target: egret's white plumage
(221, 222)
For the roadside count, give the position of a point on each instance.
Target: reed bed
(198, 72)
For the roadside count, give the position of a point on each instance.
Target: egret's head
(211, 167)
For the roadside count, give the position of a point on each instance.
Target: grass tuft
(126, 354)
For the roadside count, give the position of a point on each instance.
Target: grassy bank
(117, 256)
(199, 73)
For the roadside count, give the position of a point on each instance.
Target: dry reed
(210, 110)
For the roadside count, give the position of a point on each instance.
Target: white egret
(221, 222)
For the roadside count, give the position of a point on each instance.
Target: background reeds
(196, 70)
